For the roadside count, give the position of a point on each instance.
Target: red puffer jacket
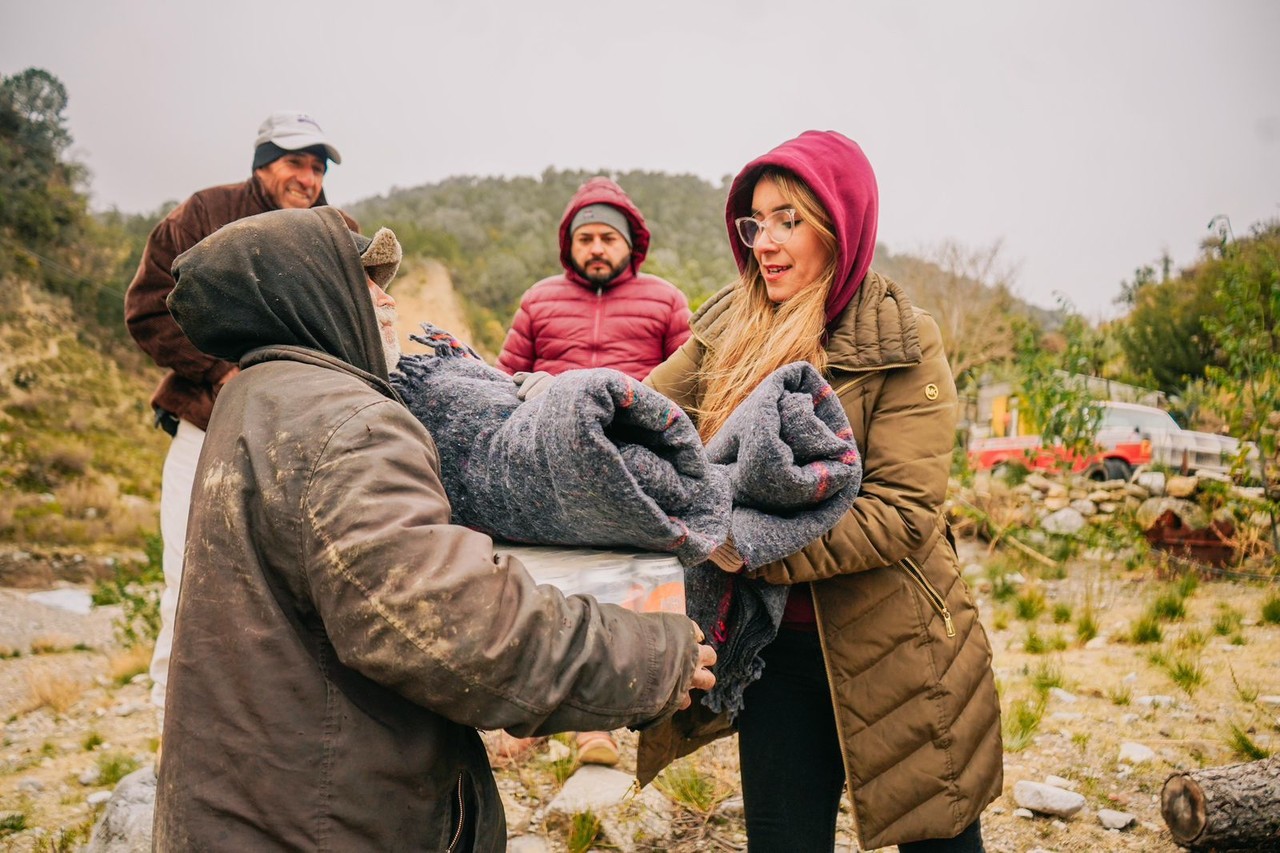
(565, 322)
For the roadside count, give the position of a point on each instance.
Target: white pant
(175, 503)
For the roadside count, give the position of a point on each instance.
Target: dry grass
(126, 665)
(50, 644)
(52, 690)
(89, 510)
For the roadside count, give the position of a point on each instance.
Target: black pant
(789, 753)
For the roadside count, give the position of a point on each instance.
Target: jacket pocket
(935, 599)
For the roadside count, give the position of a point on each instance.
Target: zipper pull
(946, 620)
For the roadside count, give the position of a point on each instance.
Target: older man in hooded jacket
(338, 640)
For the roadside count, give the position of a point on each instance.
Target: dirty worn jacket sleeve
(424, 607)
(146, 314)
(906, 452)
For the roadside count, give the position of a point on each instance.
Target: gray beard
(387, 334)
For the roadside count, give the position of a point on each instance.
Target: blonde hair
(762, 335)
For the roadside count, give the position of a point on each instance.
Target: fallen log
(1236, 807)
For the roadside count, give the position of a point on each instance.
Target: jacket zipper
(462, 818)
(857, 380)
(913, 570)
(595, 328)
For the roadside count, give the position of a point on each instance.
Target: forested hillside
(498, 235)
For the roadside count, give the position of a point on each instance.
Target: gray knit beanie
(606, 214)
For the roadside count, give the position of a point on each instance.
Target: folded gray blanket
(795, 471)
(596, 460)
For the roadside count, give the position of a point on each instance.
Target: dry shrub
(47, 644)
(49, 689)
(32, 401)
(134, 661)
(69, 458)
(88, 511)
(89, 497)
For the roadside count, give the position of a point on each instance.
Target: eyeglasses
(779, 225)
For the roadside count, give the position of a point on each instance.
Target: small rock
(527, 844)
(1038, 482)
(1112, 819)
(731, 808)
(1099, 642)
(1062, 695)
(1190, 514)
(557, 751)
(1026, 814)
(592, 789)
(1065, 522)
(97, 798)
(90, 776)
(1056, 504)
(1181, 487)
(1085, 507)
(31, 786)
(1156, 701)
(1136, 753)
(1274, 701)
(1046, 799)
(1141, 490)
(1059, 782)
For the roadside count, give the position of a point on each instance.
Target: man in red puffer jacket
(602, 312)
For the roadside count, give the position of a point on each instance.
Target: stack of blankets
(601, 460)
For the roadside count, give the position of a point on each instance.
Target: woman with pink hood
(880, 676)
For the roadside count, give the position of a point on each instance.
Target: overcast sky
(1088, 136)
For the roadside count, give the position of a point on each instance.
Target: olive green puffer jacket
(908, 661)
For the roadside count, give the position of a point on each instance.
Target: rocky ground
(1107, 717)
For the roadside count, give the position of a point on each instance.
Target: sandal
(597, 748)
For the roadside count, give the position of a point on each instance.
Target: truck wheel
(1117, 469)
(1108, 469)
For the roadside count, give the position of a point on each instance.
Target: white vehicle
(1129, 435)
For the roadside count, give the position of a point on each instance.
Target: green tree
(1050, 385)
(39, 205)
(1247, 333)
(1164, 338)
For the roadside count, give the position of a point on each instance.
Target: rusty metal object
(1212, 545)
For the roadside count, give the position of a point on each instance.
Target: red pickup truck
(1128, 436)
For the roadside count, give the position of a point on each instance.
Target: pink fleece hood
(834, 167)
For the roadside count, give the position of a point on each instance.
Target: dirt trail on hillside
(424, 293)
